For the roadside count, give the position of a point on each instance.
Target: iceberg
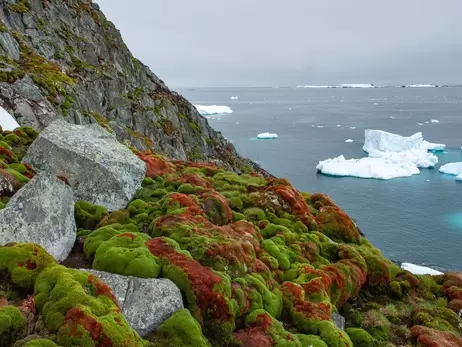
(389, 156)
(266, 136)
(420, 270)
(234, 98)
(7, 122)
(434, 121)
(308, 86)
(356, 85)
(382, 141)
(349, 141)
(212, 110)
(454, 169)
(420, 86)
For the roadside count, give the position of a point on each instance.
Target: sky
(192, 43)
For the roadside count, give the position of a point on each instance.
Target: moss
(66, 105)
(126, 254)
(254, 214)
(21, 6)
(18, 176)
(180, 330)
(195, 154)
(41, 343)
(12, 325)
(360, 337)
(395, 290)
(23, 262)
(188, 189)
(87, 215)
(377, 325)
(96, 238)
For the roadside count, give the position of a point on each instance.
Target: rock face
(99, 169)
(145, 302)
(65, 59)
(41, 212)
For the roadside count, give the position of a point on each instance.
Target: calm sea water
(417, 219)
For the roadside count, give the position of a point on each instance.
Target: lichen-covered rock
(99, 169)
(145, 302)
(41, 212)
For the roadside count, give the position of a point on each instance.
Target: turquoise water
(416, 219)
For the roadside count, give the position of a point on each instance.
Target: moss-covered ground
(258, 263)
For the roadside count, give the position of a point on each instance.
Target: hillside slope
(65, 59)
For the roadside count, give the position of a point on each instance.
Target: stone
(8, 183)
(338, 320)
(145, 302)
(28, 90)
(99, 169)
(41, 212)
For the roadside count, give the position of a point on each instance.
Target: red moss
(407, 276)
(210, 200)
(256, 334)
(76, 317)
(322, 200)
(101, 288)
(129, 235)
(454, 293)
(427, 337)
(202, 281)
(155, 165)
(335, 223)
(294, 199)
(64, 179)
(31, 265)
(208, 168)
(195, 180)
(455, 305)
(8, 155)
(187, 201)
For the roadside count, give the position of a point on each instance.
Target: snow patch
(7, 122)
(212, 109)
(420, 270)
(267, 136)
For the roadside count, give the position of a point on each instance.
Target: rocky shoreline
(125, 220)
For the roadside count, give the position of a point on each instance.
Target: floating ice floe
(338, 125)
(212, 109)
(349, 140)
(434, 121)
(420, 86)
(7, 122)
(234, 98)
(267, 136)
(453, 169)
(420, 270)
(389, 156)
(353, 128)
(419, 123)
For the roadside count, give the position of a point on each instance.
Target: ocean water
(416, 219)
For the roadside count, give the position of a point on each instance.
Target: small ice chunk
(349, 141)
(375, 104)
(338, 125)
(426, 122)
(420, 270)
(234, 98)
(454, 169)
(320, 126)
(420, 123)
(435, 121)
(353, 128)
(265, 136)
(7, 122)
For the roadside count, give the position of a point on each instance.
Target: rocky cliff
(65, 59)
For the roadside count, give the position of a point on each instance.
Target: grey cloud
(269, 42)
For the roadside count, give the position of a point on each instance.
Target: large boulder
(145, 302)
(99, 169)
(41, 212)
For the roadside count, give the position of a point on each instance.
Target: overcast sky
(292, 42)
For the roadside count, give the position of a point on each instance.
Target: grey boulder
(339, 320)
(99, 169)
(145, 302)
(41, 212)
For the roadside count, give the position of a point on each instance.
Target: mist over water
(416, 219)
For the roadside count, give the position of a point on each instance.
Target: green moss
(12, 325)
(180, 330)
(360, 337)
(12, 139)
(87, 215)
(96, 238)
(254, 214)
(66, 105)
(188, 189)
(126, 254)
(195, 154)
(41, 343)
(23, 262)
(18, 176)
(395, 290)
(377, 325)
(21, 6)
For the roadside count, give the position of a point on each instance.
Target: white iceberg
(265, 136)
(420, 270)
(7, 122)
(360, 85)
(308, 86)
(434, 121)
(454, 169)
(212, 109)
(389, 156)
(234, 98)
(382, 141)
(349, 141)
(420, 86)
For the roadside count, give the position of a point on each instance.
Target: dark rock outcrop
(64, 59)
